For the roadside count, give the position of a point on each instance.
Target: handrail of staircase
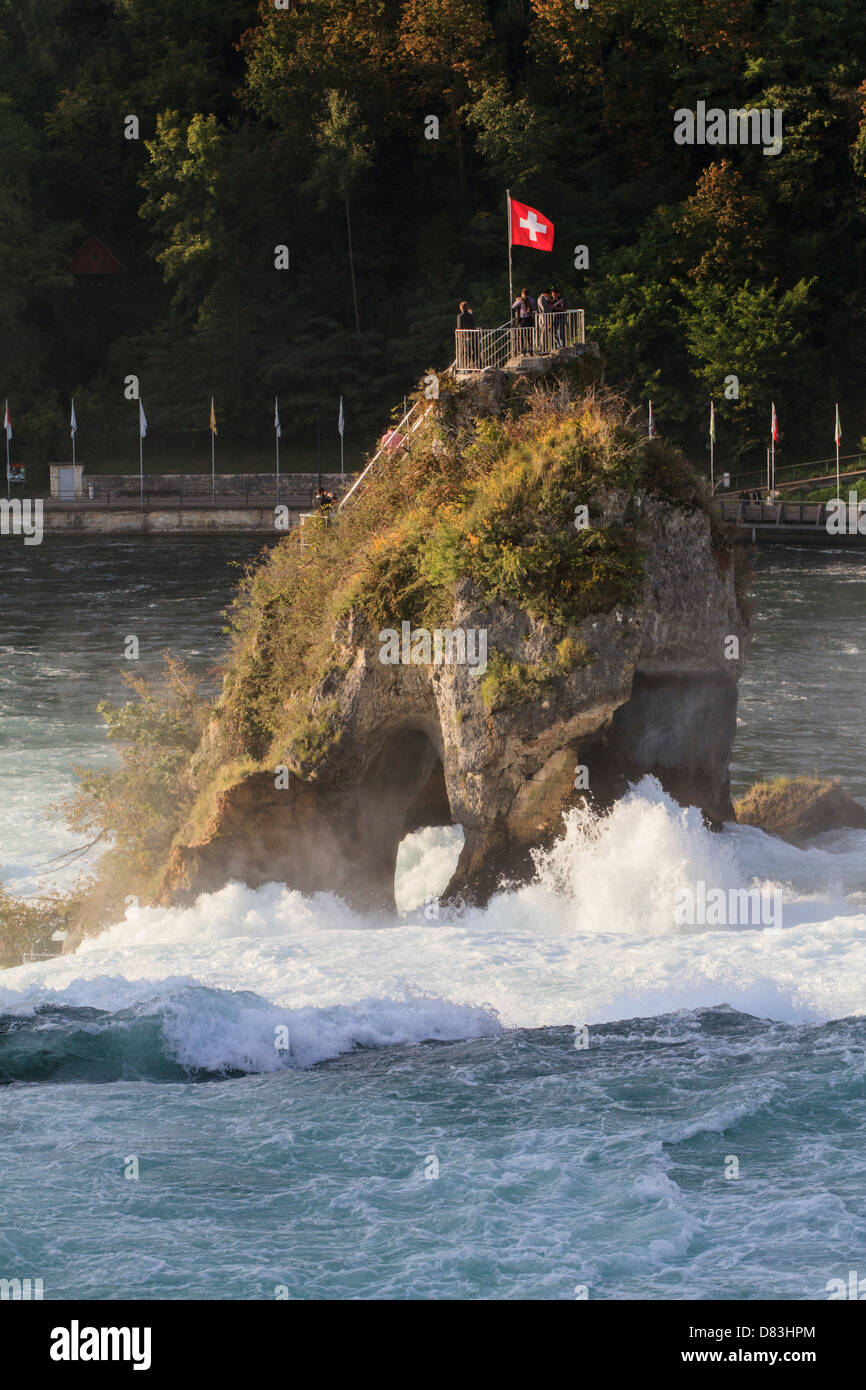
(406, 418)
(357, 483)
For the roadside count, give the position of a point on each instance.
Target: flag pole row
(771, 452)
(142, 434)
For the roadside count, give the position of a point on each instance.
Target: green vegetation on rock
(481, 506)
(28, 924)
(797, 808)
(508, 682)
(136, 808)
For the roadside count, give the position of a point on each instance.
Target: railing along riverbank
(800, 523)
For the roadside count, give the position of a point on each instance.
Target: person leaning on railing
(559, 308)
(524, 308)
(466, 324)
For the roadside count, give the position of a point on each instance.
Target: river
(562, 1095)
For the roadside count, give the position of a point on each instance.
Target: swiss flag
(529, 227)
(774, 423)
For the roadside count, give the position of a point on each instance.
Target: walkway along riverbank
(241, 505)
(787, 523)
(186, 520)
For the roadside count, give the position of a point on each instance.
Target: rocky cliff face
(646, 686)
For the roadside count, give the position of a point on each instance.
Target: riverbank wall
(179, 521)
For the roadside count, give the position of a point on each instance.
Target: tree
(758, 333)
(343, 156)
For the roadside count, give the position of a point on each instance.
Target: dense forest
(304, 123)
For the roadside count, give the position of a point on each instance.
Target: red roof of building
(94, 258)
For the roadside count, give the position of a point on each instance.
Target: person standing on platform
(467, 349)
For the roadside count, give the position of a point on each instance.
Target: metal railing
(243, 496)
(800, 514)
(813, 473)
(392, 440)
(476, 349)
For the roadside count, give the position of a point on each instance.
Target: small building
(95, 259)
(67, 481)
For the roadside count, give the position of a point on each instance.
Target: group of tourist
(526, 312)
(542, 318)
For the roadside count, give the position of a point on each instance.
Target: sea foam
(591, 939)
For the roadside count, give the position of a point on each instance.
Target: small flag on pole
(73, 423)
(652, 422)
(838, 435)
(7, 422)
(529, 227)
(142, 420)
(340, 421)
(774, 423)
(213, 424)
(277, 426)
(712, 422)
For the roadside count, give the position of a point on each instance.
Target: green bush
(137, 807)
(28, 924)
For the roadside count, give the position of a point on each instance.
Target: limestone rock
(798, 808)
(414, 745)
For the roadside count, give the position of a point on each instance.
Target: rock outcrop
(799, 808)
(647, 684)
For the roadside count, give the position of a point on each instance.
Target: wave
(197, 1033)
(591, 940)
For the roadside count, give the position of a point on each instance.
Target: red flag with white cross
(529, 227)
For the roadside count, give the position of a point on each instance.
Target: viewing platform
(517, 349)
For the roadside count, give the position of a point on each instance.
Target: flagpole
(773, 455)
(8, 479)
(341, 430)
(712, 447)
(838, 440)
(74, 432)
(510, 279)
(212, 454)
(141, 455)
(277, 439)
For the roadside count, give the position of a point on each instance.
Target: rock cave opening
(408, 828)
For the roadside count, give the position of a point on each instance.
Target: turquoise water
(66, 608)
(562, 1092)
(557, 1168)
